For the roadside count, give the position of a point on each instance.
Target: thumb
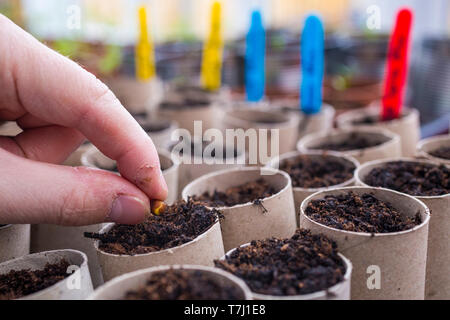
(35, 192)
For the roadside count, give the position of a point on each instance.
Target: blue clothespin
(312, 54)
(255, 59)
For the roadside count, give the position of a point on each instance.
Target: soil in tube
(317, 172)
(299, 265)
(187, 98)
(187, 104)
(154, 127)
(269, 121)
(372, 120)
(359, 213)
(19, 283)
(443, 153)
(180, 223)
(195, 92)
(413, 178)
(353, 142)
(253, 191)
(183, 285)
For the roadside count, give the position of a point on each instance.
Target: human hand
(57, 104)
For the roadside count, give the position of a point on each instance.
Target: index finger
(39, 81)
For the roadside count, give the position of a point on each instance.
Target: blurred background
(101, 34)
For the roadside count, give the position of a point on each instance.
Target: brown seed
(158, 207)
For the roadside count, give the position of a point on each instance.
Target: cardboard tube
(46, 237)
(10, 128)
(118, 287)
(397, 259)
(242, 223)
(185, 117)
(389, 148)
(136, 96)
(407, 127)
(95, 159)
(203, 250)
(254, 118)
(14, 241)
(175, 92)
(200, 166)
(425, 146)
(321, 122)
(66, 289)
(160, 138)
(74, 160)
(301, 193)
(438, 260)
(340, 291)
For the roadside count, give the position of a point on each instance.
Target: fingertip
(151, 180)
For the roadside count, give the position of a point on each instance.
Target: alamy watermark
(74, 281)
(230, 146)
(373, 21)
(374, 279)
(73, 21)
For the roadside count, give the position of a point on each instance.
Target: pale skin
(58, 105)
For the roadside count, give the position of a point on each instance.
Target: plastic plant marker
(397, 66)
(255, 59)
(144, 55)
(312, 59)
(212, 52)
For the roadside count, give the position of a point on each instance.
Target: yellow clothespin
(212, 52)
(144, 55)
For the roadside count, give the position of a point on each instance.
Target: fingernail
(128, 210)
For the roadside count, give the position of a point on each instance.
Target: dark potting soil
(443, 153)
(367, 120)
(193, 89)
(248, 192)
(303, 264)
(20, 283)
(184, 285)
(317, 172)
(185, 104)
(269, 121)
(195, 93)
(139, 115)
(359, 213)
(372, 120)
(353, 142)
(413, 178)
(155, 127)
(180, 223)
